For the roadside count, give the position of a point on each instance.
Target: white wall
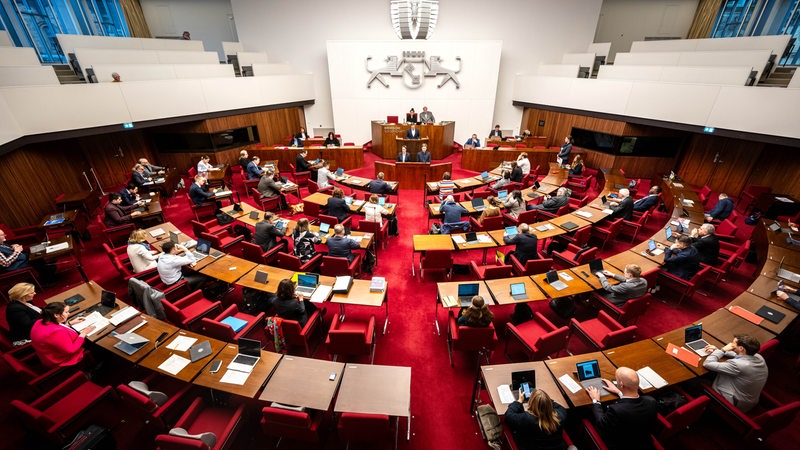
(624, 21)
(532, 32)
(208, 20)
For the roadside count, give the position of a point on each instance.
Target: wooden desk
(188, 373)
(274, 276)
(723, 325)
(440, 138)
(497, 375)
(571, 217)
(596, 215)
(346, 157)
(360, 295)
(501, 290)
(591, 279)
(566, 366)
(640, 250)
(228, 268)
(319, 198)
(764, 287)
(216, 177)
(574, 286)
(485, 246)
(303, 382)
(255, 381)
(244, 215)
(622, 259)
(74, 221)
(451, 289)
(752, 303)
(478, 158)
(647, 353)
(90, 291)
(678, 338)
(423, 242)
(166, 227)
(86, 200)
(150, 330)
(412, 175)
(53, 256)
(373, 389)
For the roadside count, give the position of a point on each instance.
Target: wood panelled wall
(557, 124)
(33, 175)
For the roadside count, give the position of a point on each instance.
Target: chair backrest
(527, 217)
(198, 227)
(20, 369)
(727, 227)
(174, 315)
(492, 223)
(613, 228)
(333, 266)
(358, 427)
(437, 259)
(777, 418)
(619, 337)
(536, 266)
(330, 220)
(310, 209)
(292, 332)
(551, 342)
(634, 308)
(347, 342)
(392, 119)
(253, 252)
(289, 262)
(494, 272)
(287, 423)
(312, 187)
(135, 400)
(474, 338)
(685, 416)
(586, 255)
(701, 275)
(582, 236)
(704, 191)
(768, 349)
(170, 442)
(563, 210)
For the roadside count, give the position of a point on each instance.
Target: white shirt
(141, 258)
(525, 165)
(203, 168)
(372, 212)
(323, 176)
(169, 266)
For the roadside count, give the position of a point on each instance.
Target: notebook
(200, 351)
(693, 337)
(684, 355)
(569, 226)
(552, 280)
(511, 231)
(465, 293)
(306, 284)
(477, 204)
(249, 354)
(518, 291)
(261, 277)
(589, 375)
(525, 380)
(234, 322)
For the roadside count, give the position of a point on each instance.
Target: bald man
(628, 422)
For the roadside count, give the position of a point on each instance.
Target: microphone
(716, 157)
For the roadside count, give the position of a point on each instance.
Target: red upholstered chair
(757, 427)
(62, 411)
(380, 231)
(629, 312)
(539, 337)
(489, 272)
(482, 340)
(335, 267)
(603, 332)
(297, 336)
(392, 119)
(206, 210)
(578, 203)
(265, 203)
(23, 235)
(750, 194)
(349, 144)
(489, 223)
(209, 226)
(300, 178)
(330, 220)
(253, 252)
(608, 232)
(436, 260)
(16, 276)
(364, 428)
(524, 217)
(215, 328)
(726, 230)
(351, 338)
(222, 240)
(201, 421)
(512, 445)
(531, 267)
(632, 227)
(291, 262)
(29, 370)
(115, 236)
(187, 312)
(157, 400)
(683, 287)
(292, 425)
(314, 187)
(580, 238)
(172, 293)
(682, 418)
(575, 256)
(311, 210)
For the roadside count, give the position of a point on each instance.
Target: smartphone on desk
(215, 366)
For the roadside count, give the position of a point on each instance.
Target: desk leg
(412, 264)
(83, 274)
(408, 433)
(341, 312)
(485, 251)
(386, 321)
(475, 389)
(436, 316)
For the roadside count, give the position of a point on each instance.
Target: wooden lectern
(412, 145)
(386, 139)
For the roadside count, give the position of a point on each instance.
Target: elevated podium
(385, 142)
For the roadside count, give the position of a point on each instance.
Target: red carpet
(440, 394)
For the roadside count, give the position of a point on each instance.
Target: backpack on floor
(522, 313)
(393, 230)
(368, 262)
(491, 429)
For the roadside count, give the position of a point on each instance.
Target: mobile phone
(215, 365)
(526, 389)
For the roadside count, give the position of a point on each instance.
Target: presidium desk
(385, 138)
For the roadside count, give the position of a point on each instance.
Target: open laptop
(59, 216)
(465, 293)
(652, 250)
(596, 265)
(280, 225)
(108, 301)
(518, 291)
(130, 343)
(524, 379)
(681, 228)
(200, 351)
(511, 231)
(324, 228)
(693, 336)
(485, 175)
(604, 202)
(471, 237)
(477, 204)
(787, 274)
(501, 195)
(339, 172)
(306, 284)
(539, 187)
(249, 354)
(552, 280)
(348, 201)
(589, 375)
(254, 215)
(668, 234)
(203, 249)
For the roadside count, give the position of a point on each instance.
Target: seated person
(473, 141)
(788, 294)
(378, 186)
(451, 210)
(515, 204)
(553, 204)
(289, 307)
(304, 241)
(525, 134)
(171, 262)
(648, 201)
(129, 195)
(423, 155)
(526, 245)
(411, 116)
(325, 176)
(115, 214)
(140, 253)
(628, 422)
(446, 186)
(332, 140)
(341, 246)
(681, 258)
(373, 211)
(524, 163)
(516, 172)
(403, 156)
(631, 285)
(413, 132)
(539, 426)
(151, 171)
(477, 315)
(56, 344)
(496, 132)
(21, 314)
(270, 187)
(254, 172)
(203, 166)
(504, 180)
(302, 135)
(577, 166)
(623, 208)
(491, 210)
(243, 160)
(199, 192)
(722, 210)
(302, 164)
(138, 178)
(743, 375)
(267, 235)
(706, 243)
(337, 207)
(11, 256)
(295, 142)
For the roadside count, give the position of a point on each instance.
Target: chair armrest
(312, 320)
(229, 311)
(473, 268)
(370, 329)
(312, 263)
(511, 329)
(673, 278)
(733, 411)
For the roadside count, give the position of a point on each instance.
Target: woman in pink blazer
(56, 344)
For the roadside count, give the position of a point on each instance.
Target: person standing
(743, 375)
(413, 132)
(423, 155)
(566, 150)
(426, 116)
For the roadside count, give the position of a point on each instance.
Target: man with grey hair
(270, 187)
(150, 170)
(525, 242)
(378, 186)
(630, 286)
(426, 116)
(552, 204)
(706, 243)
(622, 208)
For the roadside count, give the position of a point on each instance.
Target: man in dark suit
(378, 186)
(269, 187)
(243, 160)
(404, 156)
(199, 192)
(706, 243)
(526, 244)
(413, 132)
(337, 207)
(552, 204)
(129, 195)
(722, 210)
(496, 132)
(628, 422)
(681, 258)
(630, 286)
(624, 208)
(151, 170)
(266, 234)
(302, 164)
(423, 155)
(137, 177)
(253, 171)
(341, 246)
(648, 201)
(115, 214)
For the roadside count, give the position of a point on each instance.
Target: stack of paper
(449, 301)
(506, 396)
(321, 293)
(181, 343)
(123, 314)
(649, 378)
(174, 364)
(458, 239)
(378, 284)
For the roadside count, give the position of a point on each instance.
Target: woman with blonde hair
(477, 315)
(140, 253)
(21, 314)
(539, 426)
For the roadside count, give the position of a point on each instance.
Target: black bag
(522, 313)
(368, 262)
(241, 230)
(564, 307)
(224, 219)
(460, 269)
(669, 401)
(393, 231)
(94, 437)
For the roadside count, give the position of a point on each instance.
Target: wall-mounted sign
(412, 67)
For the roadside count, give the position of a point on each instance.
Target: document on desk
(484, 239)
(181, 343)
(565, 276)
(123, 314)
(583, 214)
(95, 319)
(174, 364)
(608, 211)
(57, 247)
(222, 193)
(650, 377)
(235, 377)
(321, 293)
(569, 383)
(157, 232)
(458, 239)
(657, 252)
(506, 396)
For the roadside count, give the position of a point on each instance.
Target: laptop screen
(381, 201)
(536, 185)
(603, 198)
(693, 333)
(517, 288)
(254, 215)
(484, 175)
(339, 171)
(470, 289)
(203, 246)
(588, 370)
(552, 276)
(523, 376)
(651, 245)
(307, 280)
(510, 231)
(502, 194)
(348, 200)
(173, 236)
(668, 232)
(596, 265)
(250, 347)
(324, 227)
(108, 298)
(471, 236)
(477, 202)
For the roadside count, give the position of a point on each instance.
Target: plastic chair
(215, 328)
(470, 339)
(604, 332)
(539, 337)
(203, 428)
(436, 260)
(351, 338)
(188, 311)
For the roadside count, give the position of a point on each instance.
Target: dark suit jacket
(497, 133)
(623, 210)
(379, 187)
(423, 156)
(291, 309)
(116, 215)
(267, 235)
(199, 195)
(412, 134)
(138, 179)
(683, 263)
(127, 198)
(707, 249)
(627, 423)
(526, 246)
(553, 204)
(403, 158)
(645, 203)
(516, 175)
(722, 210)
(20, 319)
(338, 208)
(524, 427)
(341, 247)
(301, 164)
(244, 162)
